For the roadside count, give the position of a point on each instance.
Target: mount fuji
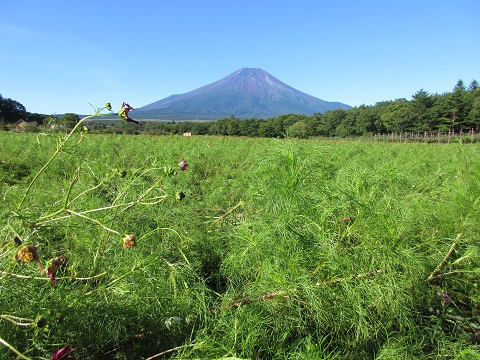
(246, 93)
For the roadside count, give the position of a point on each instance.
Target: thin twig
(255, 298)
(7, 345)
(17, 321)
(15, 318)
(84, 192)
(135, 266)
(44, 222)
(219, 218)
(71, 212)
(358, 276)
(168, 351)
(18, 276)
(454, 272)
(445, 259)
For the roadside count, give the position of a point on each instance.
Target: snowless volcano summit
(246, 93)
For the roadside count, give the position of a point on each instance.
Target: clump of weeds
(77, 250)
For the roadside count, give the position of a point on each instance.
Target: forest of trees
(455, 111)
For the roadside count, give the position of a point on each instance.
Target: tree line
(455, 111)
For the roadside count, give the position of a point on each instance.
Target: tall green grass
(280, 249)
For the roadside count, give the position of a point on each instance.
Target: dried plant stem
(71, 212)
(114, 281)
(48, 218)
(18, 276)
(84, 192)
(358, 276)
(283, 294)
(456, 272)
(17, 321)
(226, 212)
(18, 353)
(169, 351)
(445, 259)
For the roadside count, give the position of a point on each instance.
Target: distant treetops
(455, 111)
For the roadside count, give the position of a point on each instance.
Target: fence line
(427, 137)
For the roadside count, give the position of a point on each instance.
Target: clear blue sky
(57, 56)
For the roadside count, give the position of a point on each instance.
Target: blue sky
(58, 56)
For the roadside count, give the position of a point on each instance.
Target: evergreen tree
(421, 104)
(473, 85)
(473, 106)
(456, 109)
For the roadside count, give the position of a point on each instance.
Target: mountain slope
(246, 93)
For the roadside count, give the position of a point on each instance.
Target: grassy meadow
(260, 249)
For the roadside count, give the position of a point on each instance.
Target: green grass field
(260, 249)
